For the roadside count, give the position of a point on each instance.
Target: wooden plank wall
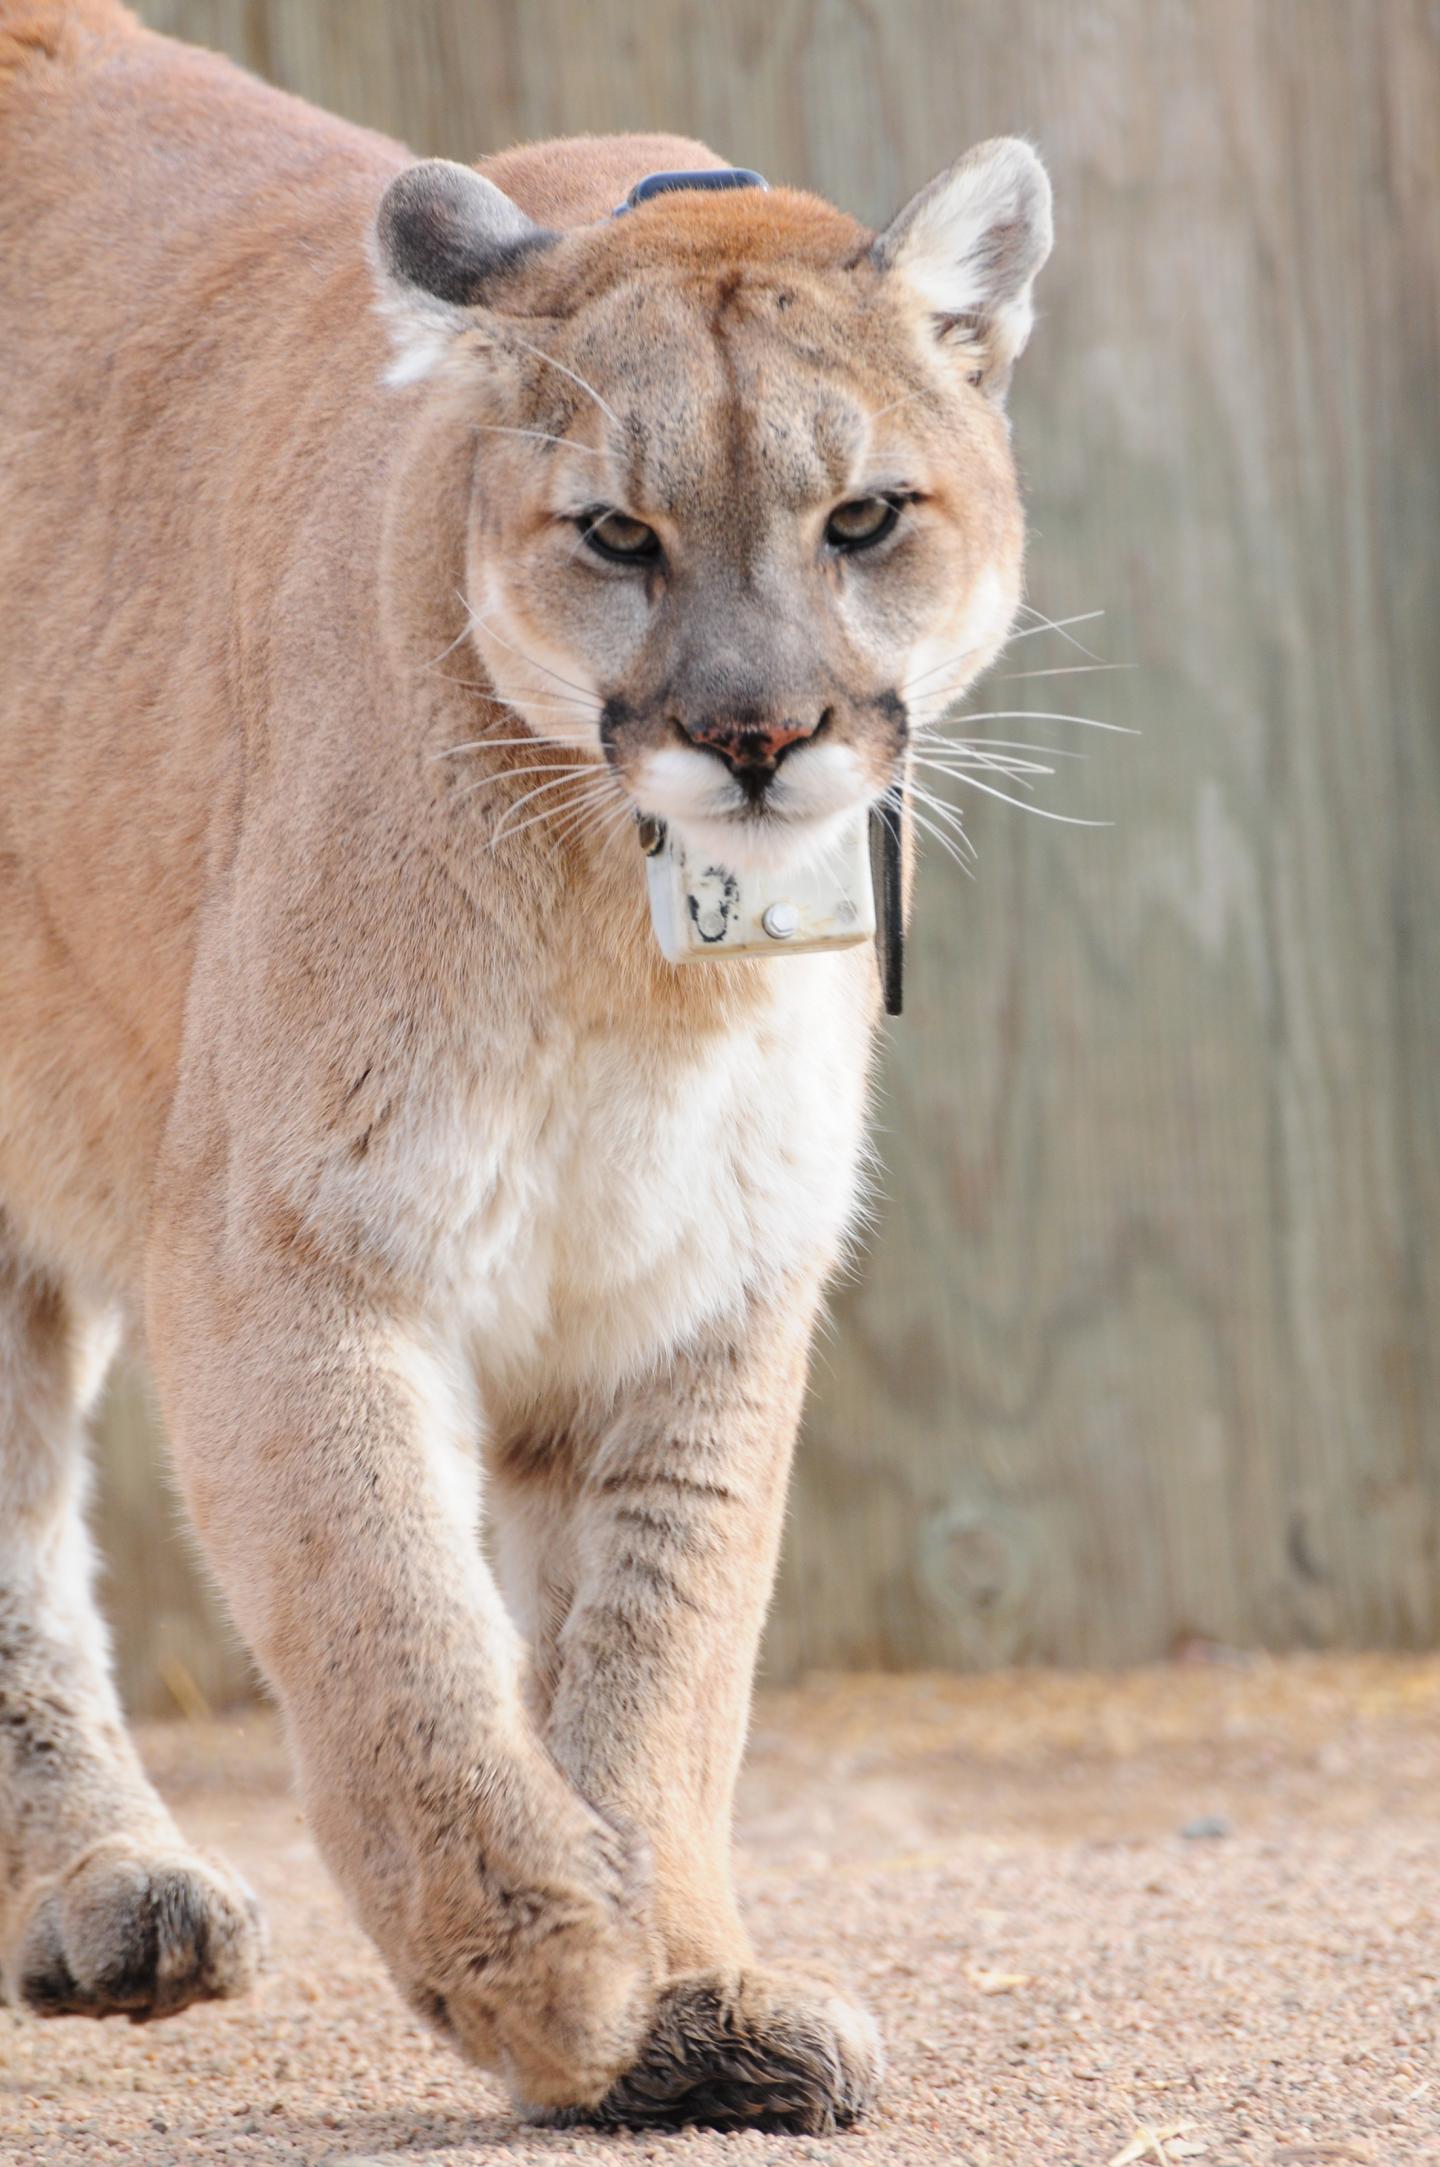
(1146, 1344)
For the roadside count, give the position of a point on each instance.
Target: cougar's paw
(549, 1981)
(133, 1930)
(753, 2052)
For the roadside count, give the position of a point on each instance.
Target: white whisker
(588, 805)
(552, 736)
(541, 436)
(1016, 770)
(551, 706)
(571, 824)
(541, 707)
(596, 818)
(928, 827)
(956, 663)
(1030, 714)
(1065, 669)
(589, 389)
(1041, 812)
(943, 806)
(549, 812)
(906, 400)
(970, 751)
(488, 744)
(951, 662)
(509, 826)
(582, 539)
(925, 735)
(424, 666)
(1056, 624)
(531, 663)
(510, 774)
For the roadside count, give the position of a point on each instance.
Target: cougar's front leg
(323, 1447)
(676, 1534)
(104, 1908)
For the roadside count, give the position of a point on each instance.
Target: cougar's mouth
(755, 815)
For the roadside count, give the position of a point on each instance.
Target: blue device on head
(665, 184)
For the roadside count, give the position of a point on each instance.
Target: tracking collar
(705, 911)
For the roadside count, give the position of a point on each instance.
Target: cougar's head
(746, 491)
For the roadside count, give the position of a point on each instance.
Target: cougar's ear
(971, 244)
(443, 235)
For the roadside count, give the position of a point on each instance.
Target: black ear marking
(447, 231)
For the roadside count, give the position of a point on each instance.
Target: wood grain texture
(1146, 1343)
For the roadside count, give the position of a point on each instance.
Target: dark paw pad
(745, 2054)
(124, 1932)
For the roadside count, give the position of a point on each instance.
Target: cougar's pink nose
(751, 744)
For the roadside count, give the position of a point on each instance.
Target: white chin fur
(818, 789)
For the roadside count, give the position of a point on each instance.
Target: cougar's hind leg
(104, 1909)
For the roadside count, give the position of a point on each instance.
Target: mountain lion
(377, 540)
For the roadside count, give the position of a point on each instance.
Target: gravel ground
(1189, 1913)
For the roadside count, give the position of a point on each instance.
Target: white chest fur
(646, 1201)
(587, 1205)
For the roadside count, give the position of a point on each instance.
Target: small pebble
(1206, 1828)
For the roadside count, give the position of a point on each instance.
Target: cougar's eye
(616, 536)
(862, 523)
